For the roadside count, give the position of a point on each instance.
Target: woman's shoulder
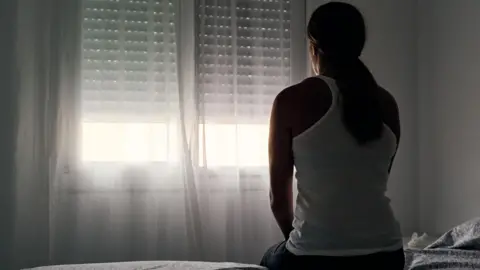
(387, 97)
(391, 114)
(303, 104)
(312, 86)
(388, 101)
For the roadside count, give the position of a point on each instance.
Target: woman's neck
(327, 73)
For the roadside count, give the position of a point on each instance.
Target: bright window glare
(226, 144)
(129, 142)
(233, 145)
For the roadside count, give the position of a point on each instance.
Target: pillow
(418, 241)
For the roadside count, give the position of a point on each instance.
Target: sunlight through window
(223, 145)
(233, 145)
(129, 142)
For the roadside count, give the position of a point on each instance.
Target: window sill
(101, 177)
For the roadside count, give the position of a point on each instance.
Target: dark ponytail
(337, 35)
(361, 108)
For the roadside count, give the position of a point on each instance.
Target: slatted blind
(244, 57)
(130, 61)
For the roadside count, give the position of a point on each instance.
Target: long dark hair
(337, 36)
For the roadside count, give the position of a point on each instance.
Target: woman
(341, 131)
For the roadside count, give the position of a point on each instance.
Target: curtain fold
(142, 129)
(47, 61)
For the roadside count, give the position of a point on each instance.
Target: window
(244, 62)
(244, 58)
(129, 93)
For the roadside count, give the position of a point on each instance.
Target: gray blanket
(458, 248)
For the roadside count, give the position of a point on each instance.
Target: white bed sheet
(154, 265)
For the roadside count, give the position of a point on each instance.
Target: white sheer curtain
(143, 124)
(46, 79)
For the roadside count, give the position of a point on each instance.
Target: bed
(457, 249)
(162, 265)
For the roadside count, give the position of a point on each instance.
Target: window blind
(244, 57)
(130, 61)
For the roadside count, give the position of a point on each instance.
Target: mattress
(153, 265)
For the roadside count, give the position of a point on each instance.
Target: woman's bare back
(310, 100)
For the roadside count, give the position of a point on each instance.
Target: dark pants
(279, 258)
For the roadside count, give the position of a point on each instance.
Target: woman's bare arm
(391, 117)
(281, 165)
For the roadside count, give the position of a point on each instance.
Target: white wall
(391, 55)
(7, 118)
(449, 130)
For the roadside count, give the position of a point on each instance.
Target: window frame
(187, 29)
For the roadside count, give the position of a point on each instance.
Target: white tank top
(341, 207)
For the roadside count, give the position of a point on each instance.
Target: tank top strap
(332, 85)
